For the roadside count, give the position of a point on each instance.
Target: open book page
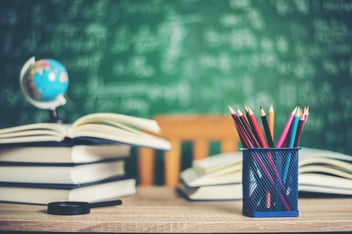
(308, 153)
(321, 190)
(121, 135)
(217, 169)
(321, 169)
(100, 128)
(136, 122)
(218, 164)
(33, 132)
(329, 166)
(325, 162)
(212, 192)
(325, 181)
(192, 179)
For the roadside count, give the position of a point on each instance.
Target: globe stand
(54, 116)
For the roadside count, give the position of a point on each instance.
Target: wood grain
(161, 209)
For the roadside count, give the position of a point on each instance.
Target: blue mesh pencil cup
(270, 182)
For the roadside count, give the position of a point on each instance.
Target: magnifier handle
(106, 203)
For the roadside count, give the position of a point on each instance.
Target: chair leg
(146, 166)
(228, 146)
(200, 149)
(172, 164)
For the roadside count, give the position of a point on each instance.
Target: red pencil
(257, 128)
(246, 107)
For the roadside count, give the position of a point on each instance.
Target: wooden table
(160, 209)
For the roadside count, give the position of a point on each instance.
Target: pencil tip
(231, 110)
(262, 112)
(271, 108)
(239, 111)
(298, 111)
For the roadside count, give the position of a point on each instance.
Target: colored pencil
(301, 122)
(257, 128)
(271, 116)
(259, 161)
(286, 129)
(243, 136)
(250, 122)
(306, 110)
(294, 127)
(292, 140)
(306, 113)
(270, 142)
(247, 128)
(266, 128)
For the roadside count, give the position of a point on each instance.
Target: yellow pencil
(271, 120)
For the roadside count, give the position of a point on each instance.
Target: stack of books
(83, 161)
(219, 177)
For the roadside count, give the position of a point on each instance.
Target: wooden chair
(201, 130)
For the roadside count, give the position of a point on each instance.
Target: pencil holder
(270, 182)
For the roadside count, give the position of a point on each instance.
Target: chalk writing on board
(151, 57)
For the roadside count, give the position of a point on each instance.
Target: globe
(44, 83)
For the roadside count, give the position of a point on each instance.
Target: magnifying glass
(77, 208)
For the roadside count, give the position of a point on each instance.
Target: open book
(320, 171)
(92, 128)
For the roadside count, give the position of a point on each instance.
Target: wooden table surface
(161, 209)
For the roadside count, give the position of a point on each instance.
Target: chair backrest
(201, 130)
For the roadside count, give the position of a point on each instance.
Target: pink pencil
(286, 129)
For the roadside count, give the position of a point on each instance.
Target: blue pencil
(292, 140)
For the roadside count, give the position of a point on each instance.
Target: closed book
(61, 174)
(91, 192)
(95, 128)
(62, 154)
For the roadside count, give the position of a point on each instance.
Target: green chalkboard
(148, 57)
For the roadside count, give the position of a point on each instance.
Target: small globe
(45, 80)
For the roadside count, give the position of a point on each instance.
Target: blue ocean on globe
(46, 80)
